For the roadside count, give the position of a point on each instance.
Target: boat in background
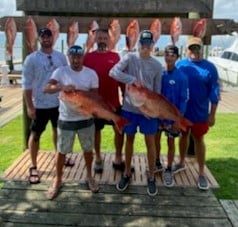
(227, 64)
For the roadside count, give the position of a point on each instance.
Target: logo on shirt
(171, 82)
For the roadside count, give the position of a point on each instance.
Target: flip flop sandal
(53, 192)
(69, 162)
(92, 185)
(33, 174)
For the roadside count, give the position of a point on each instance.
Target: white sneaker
(203, 183)
(168, 178)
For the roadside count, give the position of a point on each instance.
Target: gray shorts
(66, 139)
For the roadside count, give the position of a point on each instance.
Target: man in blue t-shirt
(204, 95)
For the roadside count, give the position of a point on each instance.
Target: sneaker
(158, 167)
(98, 167)
(178, 168)
(203, 183)
(168, 178)
(123, 183)
(152, 189)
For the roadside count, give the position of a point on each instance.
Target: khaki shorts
(66, 139)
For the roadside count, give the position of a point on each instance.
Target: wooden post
(62, 46)
(10, 64)
(26, 119)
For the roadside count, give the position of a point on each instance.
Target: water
(217, 41)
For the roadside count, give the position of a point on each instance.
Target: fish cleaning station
(25, 205)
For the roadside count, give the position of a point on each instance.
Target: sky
(223, 9)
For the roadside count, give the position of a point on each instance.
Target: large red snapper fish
(200, 28)
(155, 105)
(72, 33)
(90, 104)
(132, 34)
(155, 28)
(114, 33)
(93, 27)
(175, 29)
(54, 26)
(11, 32)
(30, 31)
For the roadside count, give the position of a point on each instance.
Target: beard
(102, 46)
(46, 44)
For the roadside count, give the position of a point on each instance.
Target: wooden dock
(11, 104)
(19, 170)
(25, 205)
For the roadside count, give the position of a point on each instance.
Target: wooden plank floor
(11, 104)
(19, 170)
(231, 209)
(25, 205)
(228, 102)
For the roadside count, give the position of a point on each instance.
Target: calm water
(221, 41)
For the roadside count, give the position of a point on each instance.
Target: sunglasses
(194, 48)
(50, 61)
(170, 54)
(76, 50)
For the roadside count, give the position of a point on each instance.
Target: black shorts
(42, 118)
(100, 123)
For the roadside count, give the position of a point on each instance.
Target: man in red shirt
(102, 60)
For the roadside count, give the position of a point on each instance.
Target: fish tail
(121, 123)
(184, 123)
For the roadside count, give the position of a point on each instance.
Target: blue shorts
(146, 125)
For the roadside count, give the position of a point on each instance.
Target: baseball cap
(171, 49)
(44, 31)
(146, 38)
(76, 50)
(194, 41)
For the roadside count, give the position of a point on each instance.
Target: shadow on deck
(76, 174)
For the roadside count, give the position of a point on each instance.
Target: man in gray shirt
(41, 107)
(139, 69)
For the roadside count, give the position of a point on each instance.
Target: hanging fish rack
(214, 26)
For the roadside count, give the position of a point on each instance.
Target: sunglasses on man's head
(194, 47)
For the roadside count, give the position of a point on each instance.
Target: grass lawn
(222, 149)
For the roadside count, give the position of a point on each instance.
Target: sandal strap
(31, 169)
(93, 186)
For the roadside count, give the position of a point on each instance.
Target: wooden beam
(114, 8)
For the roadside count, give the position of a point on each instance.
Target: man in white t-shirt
(70, 78)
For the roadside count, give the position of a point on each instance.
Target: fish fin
(121, 123)
(184, 123)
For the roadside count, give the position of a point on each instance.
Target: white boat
(227, 64)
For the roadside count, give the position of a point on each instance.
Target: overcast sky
(222, 9)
